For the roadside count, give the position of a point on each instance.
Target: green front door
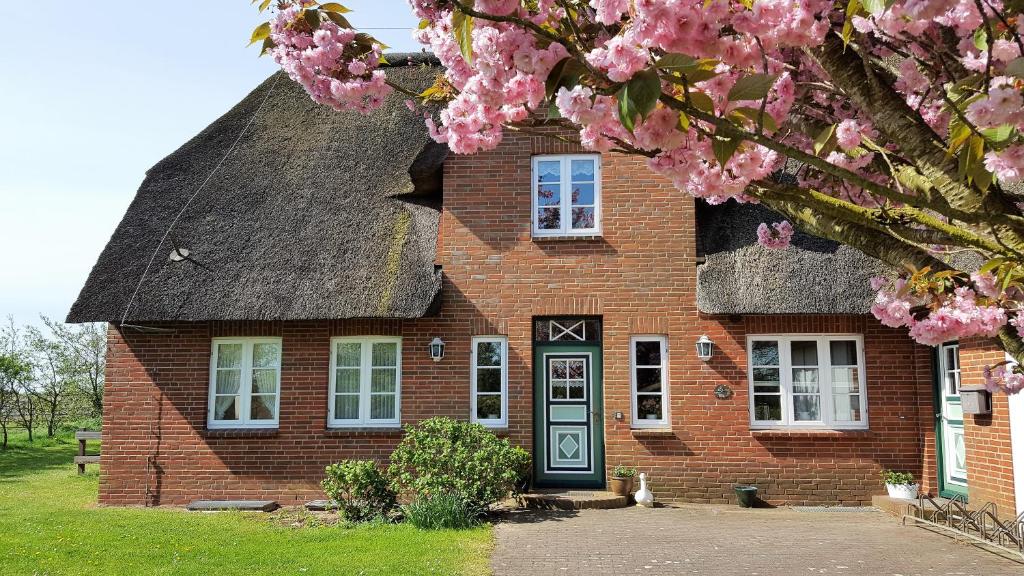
(568, 440)
(949, 424)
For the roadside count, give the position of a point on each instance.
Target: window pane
(549, 195)
(648, 379)
(229, 355)
(488, 407)
(488, 353)
(575, 368)
(382, 407)
(845, 380)
(576, 390)
(347, 380)
(582, 170)
(804, 353)
(765, 353)
(847, 407)
(806, 408)
(558, 369)
(385, 354)
(843, 352)
(549, 218)
(559, 391)
(346, 407)
(583, 194)
(262, 407)
(549, 170)
(488, 380)
(767, 407)
(348, 353)
(805, 380)
(648, 353)
(266, 355)
(383, 380)
(228, 381)
(583, 218)
(225, 408)
(264, 380)
(649, 407)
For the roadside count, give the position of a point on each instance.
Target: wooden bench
(82, 459)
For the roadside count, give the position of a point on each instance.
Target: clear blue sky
(90, 98)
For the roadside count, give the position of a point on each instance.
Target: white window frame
(565, 181)
(245, 385)
(365, 371)
(827, 421)
(636, 421)
(490, 423)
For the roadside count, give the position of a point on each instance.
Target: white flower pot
(904, 491)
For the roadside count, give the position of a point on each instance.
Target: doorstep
(244, 505)
(560, 499)
(900, 506)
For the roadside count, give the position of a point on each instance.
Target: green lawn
(50, 524)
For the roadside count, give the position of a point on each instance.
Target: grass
(50, 525)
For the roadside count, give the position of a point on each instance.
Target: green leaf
(754, 115)
(998, 134)
(724, 148)
(565, 73)
(874, 7)
(334, 7)
(702, 102)
(627, 113)
(852, 9)
(1016, 67)
(268, 45)
(462, 27)
(752, 87)
(312, 17)
(423, 24)
(993, 264)
(338, 19)
(825, 141)
(262, 32)
(684, 122)
(638, 97)
(264, 4)
(981, 39)
(676, 61)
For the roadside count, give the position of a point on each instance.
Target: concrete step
(901, 506)
(245, 505)
(572, 500)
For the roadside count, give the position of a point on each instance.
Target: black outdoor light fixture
(436, 349)
(705, 347)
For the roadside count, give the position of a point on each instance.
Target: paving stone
(245, 505)
(728, 541)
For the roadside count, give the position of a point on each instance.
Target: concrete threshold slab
(243, 505)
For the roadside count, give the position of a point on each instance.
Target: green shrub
(440, 512)
(94, 423)
(894, 477)
(360, 489)
(621, 471)
(443, 456)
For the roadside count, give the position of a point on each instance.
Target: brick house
(279, 317)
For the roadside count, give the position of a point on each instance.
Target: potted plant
(622, 480)
(650, 407)
(900, 484)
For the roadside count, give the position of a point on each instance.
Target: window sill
(652, 432)
(346, 430)
(810, 433)
(239, 432)
(567, 237)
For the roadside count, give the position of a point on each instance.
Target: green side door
(568, 431)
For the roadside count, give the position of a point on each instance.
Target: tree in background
(13, 371)
(86, 347)
(893, 126)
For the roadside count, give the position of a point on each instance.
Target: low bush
(621, 471)
(360, 489)
(440, 512)
(444, 456)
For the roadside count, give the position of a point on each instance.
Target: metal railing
(982, 525)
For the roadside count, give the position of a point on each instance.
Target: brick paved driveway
(730, 541)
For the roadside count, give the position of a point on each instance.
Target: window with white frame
(490, 381)
(807, 381)
(649, 367)
(365, 381)
(567, 195)
(245, 378)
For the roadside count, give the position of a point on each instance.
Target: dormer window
(567, 195)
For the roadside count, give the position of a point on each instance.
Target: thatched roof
(315, 214)
(812, 276)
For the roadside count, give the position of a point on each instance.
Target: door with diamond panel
(568, 434)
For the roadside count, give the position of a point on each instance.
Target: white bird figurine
(644, 497)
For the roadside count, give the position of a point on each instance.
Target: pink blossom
(609, 11)
(848, 134)
(777, 236)
(1008, 165)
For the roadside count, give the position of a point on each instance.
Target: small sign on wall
(976, 400)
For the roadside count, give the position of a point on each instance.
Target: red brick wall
(640, 277)
(989, 454)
